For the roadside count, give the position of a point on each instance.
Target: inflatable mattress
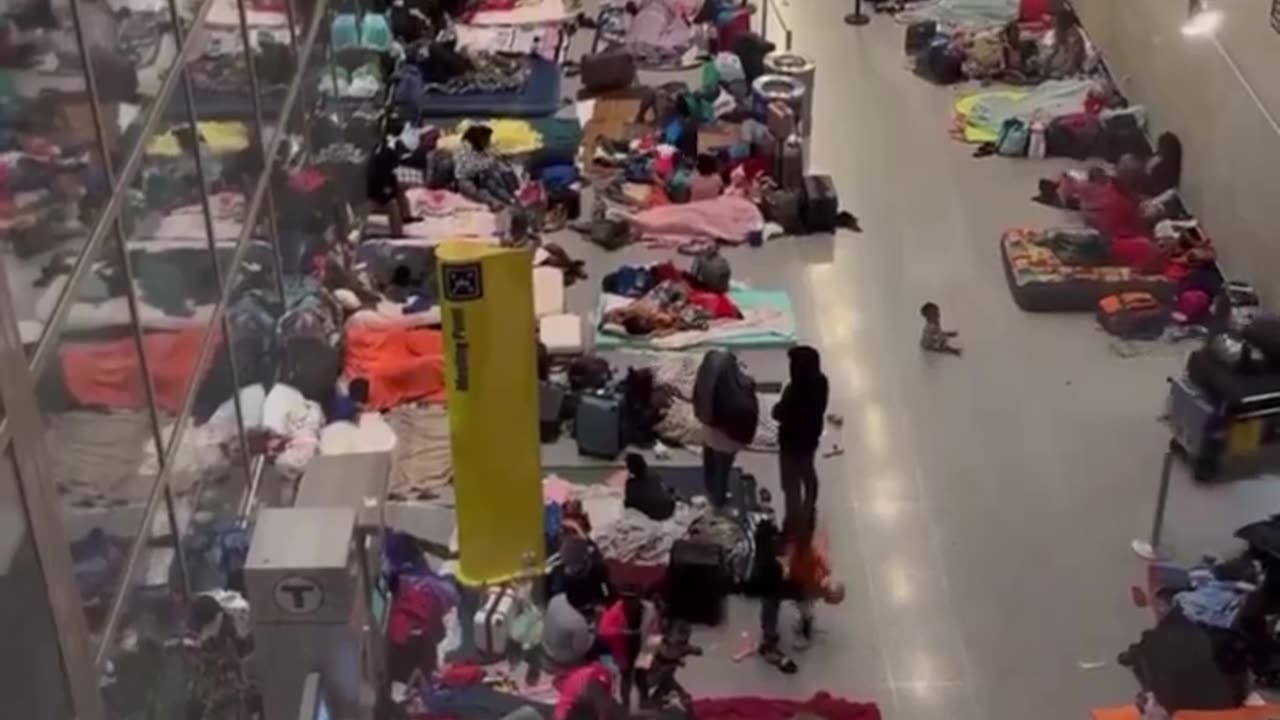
(539, 96)
(1040, 282)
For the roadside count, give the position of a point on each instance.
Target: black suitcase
(1264, 334)
(697, 582)
(919, 35)
(821, 204)
(1122, 135)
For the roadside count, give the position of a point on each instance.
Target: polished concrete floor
(982, 513)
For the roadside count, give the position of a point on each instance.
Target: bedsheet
(727, 219)
(108, 374)
(968, 14)
(537, 12)
(767, 321)
(98, 456)
(979, 117)
(421, 462)
(401, 364)
(540, 96)
(1041, 282)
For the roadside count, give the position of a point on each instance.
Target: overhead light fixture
(1201, 19)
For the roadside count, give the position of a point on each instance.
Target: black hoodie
(803, 406)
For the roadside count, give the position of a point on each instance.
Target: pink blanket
(727, 219)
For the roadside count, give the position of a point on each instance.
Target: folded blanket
(968, 14)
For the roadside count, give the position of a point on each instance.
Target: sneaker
(773, 655)
(804, 632)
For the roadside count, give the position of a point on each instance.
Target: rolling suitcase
(821, 204)
(490, 622)
(697, 582)
(790, 172)
(609, 70)
(597, 426)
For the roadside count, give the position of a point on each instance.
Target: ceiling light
(1201, 19)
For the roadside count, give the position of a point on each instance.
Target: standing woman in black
(800, 415)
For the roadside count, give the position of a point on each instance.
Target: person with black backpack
(724, 401)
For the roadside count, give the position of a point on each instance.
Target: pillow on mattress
(561, 334)
(548, 291)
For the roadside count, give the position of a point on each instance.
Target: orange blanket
(1129, 712)
(106, 373)
(401, 364)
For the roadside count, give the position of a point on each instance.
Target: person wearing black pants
(800, 414)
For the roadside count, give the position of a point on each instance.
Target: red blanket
(754, 708)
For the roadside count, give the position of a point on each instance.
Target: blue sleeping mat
(539, 97)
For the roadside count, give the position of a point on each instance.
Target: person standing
(800, 415)
(724, 401)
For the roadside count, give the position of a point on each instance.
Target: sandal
(775, 657)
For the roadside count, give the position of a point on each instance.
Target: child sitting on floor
(933, 338)
(804, 577)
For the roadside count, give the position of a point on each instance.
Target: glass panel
(99, 434)
(32, 682)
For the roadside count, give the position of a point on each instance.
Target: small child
(934, 338)
(799, 573)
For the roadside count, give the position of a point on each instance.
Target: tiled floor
(982, 513)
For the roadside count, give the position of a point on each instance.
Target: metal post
(1152, 549)
(857, 18)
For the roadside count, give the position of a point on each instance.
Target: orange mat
(1258, 712)
(401, 364)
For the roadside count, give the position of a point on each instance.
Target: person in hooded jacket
(800, 415)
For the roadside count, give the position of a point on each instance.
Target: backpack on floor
(919, 35)
(1014, 138)
(1132, 316)
(939, 63)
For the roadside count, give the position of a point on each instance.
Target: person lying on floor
(666, 309)
(1112, 202)
(799, 573)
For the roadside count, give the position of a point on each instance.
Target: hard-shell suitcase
(697, 582)
(598, 426)
(790, 173)
(821, 204)
(491, 621)
(609, 70)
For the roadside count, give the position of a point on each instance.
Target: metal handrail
(764, 23)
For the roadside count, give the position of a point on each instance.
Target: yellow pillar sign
(490, 339)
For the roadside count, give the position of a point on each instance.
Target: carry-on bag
(821, 204)
(919, 35)
(697, 582)
(491, 621)
(598, 426)
(782, 206)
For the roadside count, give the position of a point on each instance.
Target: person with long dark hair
(800, 415)
(1164, 172)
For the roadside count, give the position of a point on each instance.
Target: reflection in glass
(32, 682)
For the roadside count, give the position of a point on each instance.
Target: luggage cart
(1218, 441)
